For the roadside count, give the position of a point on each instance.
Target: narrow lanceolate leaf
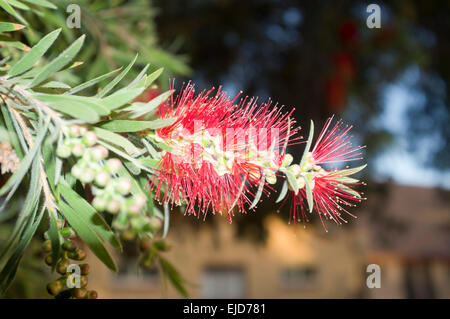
(308, 143)
(7, 7)
(134, 126)
(292, 181)
(42, 3)
(116, 80)
(90, 83)
(116, 139)
(309, 195)
(89, 214)
(59, 62)
(121, 98)
(152, 77)
(258, 193)
(87, 234)
(166, 219)
(8, 26)
(29, 59)
(349, 171)
(284, 191)
(60, 102)
(138, 109)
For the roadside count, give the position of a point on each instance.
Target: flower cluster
(331, 189)
(219, 151)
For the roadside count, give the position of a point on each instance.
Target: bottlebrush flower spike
(329, 191)
(218, 151)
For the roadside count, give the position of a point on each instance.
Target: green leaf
(59, 62)
(166, 220)
(152, 77)
(8, 26)
(116, 139)
(43, 3)
(284, 191)
(89, 215)
(138, 109)
(135, 126)
(309, 195)
(79, 108)
(116, 80)
(350, 171)
(292, 181)
(29, 59)
(308, 143)
(7, 7)
(88, 235)
(121, 98)
(90, 83)
(174, 276)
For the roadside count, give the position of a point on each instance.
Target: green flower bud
(134, 209)
(63, 151)
(78, 149)
(123, 186)
(68, 232)
(295, 169)
(113, 206)
(76, 171)
(87, 176)
(99, 204)
(155, 224)
(61, 266)
(48, 260)
(83, 130)
(83, 281)
(102, 178)
(271, 178)
(288, 158)
(121, 222)
(113, 165)
(128, 235)
(78, 254)
(74, 131)
(99, 153)
(89, 139)
(140, 200)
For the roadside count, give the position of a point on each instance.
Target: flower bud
(295, 169)
(47, 246)
(76, 171)
(89, 139)
(68, 232)
(92, 294)
(63, 151)
(83, 130)
(134, 209)
(287, 160)
(99, 153)
(74, 131)
(102, 178)
(84, 269)
(113, 206)
(49, 260)
(87, 176)
(54, 287)
(128, 235)
(155, 224)
(140, 200)
(145, 244)
(61, 266)
(113, 165)
(123, 186)
(78, 149)
(78, 254)
(79, 293)
(121, 222)
(69, 246)
(99, 204)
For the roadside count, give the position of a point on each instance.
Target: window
(299, 277)
(223, 282)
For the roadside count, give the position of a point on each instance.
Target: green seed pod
(128, 235)
(69, 246)
(63, 151)
(92, 294)
(79, 293)
(84, 269)
(68, 232)
(54, 287)
(47, 246)
(61, 266)
(49, 260)
(78, 254)
(161, 245)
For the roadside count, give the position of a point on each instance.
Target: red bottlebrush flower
(218, 150)
(330, 189)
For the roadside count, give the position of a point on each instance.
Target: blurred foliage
(115, 31)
